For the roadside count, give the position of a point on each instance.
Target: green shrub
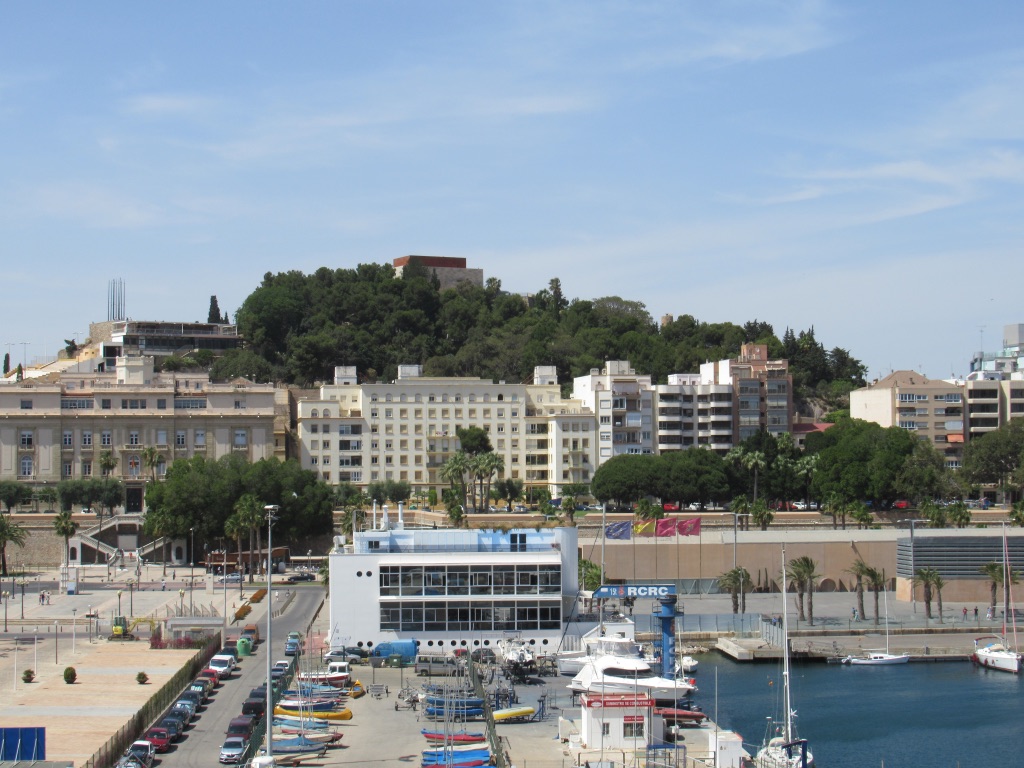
(28, 675)
(142, 678)
(70, 675)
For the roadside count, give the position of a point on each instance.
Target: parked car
(233, 748)
(210, 674)
(188, 708)
(296, 577)
(519, 508)
(901, 504)
(231, 578)
(292, 648)
(178, 715)
(339, 654)
(255, 707)
(173, 726)
(159, 737)
(196, 697)
(483, 656)
(143, 751)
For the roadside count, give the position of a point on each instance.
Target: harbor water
(921, 715)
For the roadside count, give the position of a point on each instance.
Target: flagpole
(604, 535)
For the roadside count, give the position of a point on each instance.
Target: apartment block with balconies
(623, 403)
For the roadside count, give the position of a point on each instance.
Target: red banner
(690, 527)
(665, 527)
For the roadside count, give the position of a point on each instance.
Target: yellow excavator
(119, 630)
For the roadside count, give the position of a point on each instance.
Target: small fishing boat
(446, 757)
(680, 716)
(309, 705)
(312, 738)
(286, 721)
(453, 738)
(450, 701)
(342, 714)
(458, 712)
(513, 713)
(516, 651)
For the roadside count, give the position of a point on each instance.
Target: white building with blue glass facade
(453, 588)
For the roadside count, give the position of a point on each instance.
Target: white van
(438, 664)
(223, 664)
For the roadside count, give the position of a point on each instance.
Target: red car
(160, 738)
(901, 504)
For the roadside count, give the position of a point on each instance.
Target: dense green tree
(213, 316)
(13, 493)
(65, 527)
(693, 475)
(473, 440)
(7, 363)
(626, 478)
(993, 458)
(47, 496)
(10, 533)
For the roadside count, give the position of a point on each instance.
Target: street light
(131, 597)
(181, 602)
(7, 599)
(74, 629)
(735, 525)
(192, 559)
(913, 586)
(270, 509)
(22, 583)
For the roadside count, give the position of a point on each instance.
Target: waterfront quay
(80, 718)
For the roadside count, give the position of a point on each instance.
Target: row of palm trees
(802, 572)
(470, 476)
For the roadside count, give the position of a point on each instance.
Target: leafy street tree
(589, 575)
(510, 489)
(10, 533)
(995, 456)
(47, 496)
(626, 478)
(803, 572)
(694, 475)
(474, 440)
(13, 493)
(65, 527)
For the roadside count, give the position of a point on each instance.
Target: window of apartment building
(389, 460)
(606, 436)
(25, 466)
(389, 413)
(26, 438)
(515, 428)
(189, 403)
(161, 467)
(105, 404)
(134, 466)
(87, 438)
(161, 437)
(68, 438)
(132, 404)
(314, 429)
(66, 469)
(314, 445)
(501, 428)
(501, 445)
(501, 413)
(179, 438)
(133, 437)
(487, 413)
(239, 405)
(161, 403)
(200, 437)
(315, 460)
(26, 405)
(241, 439)
(75, 404)
(106, 438)
(86, 469)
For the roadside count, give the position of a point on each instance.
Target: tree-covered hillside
(298, 327)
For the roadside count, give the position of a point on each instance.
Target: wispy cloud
(92, 206)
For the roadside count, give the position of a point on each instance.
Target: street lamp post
(131, 597)
(271, 510)
(191, 567)
(119, 602)
(735, 526)
(56, 642)
(22, 583)
(7, 599)
(74, 629)
(181, 601)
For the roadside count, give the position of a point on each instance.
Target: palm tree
(737, 583)
(804, 470)
(151, 460)
(752, 461)
(454, 473)
(234, 528)
(491, 464)
(859, 570)
(804, 572)
(249, 510)
(107, 462)
(993, 571)
(831, 507)
(741, 507)
(926, 578)
(10, 533)
(875, 581)
(760, 514)
(959, 514)
(861, 514)
(66, 527)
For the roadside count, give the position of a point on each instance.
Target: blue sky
(855, 166)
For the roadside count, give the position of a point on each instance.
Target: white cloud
(92, 206)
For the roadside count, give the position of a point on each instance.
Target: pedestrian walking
(975, 613)
(47, 597)
(163, 585)
(965, 614)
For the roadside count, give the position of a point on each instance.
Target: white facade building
(622, 401)
(405, 430)
(453, 588)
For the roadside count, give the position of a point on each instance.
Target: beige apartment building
(405, 430)
(762, 392)
(58, 426)
(622, 402)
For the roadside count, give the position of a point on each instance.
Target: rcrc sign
(629, 702)
(634, 590)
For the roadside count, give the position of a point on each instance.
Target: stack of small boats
(456, 750)
(450, 706)
(304, 719)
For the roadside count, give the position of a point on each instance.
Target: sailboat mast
(788, 719)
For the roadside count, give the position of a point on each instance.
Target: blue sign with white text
(634, 590)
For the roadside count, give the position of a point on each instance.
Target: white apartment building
(56, 427)
(692, 413)
(405, 430)
(622, 402)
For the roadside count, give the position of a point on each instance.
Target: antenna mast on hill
(115, 299)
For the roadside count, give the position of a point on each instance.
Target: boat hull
(513, 713)
(344, 714)
(1003, 661)
(877, 659)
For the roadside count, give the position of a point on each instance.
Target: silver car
(233, 749)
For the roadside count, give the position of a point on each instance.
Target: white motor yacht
(571, 662)
(995, 655)
(621, 674)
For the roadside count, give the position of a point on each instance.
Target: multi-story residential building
(406, 429)
(762, 393)
(692, 413)
(623, 403)
(59, 426)
(992, 399)
(1009, 359)
(931, 408)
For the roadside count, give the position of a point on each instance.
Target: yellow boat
(342, 714)
(357, 690)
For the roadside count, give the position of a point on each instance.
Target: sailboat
(876, 657)
(996, 654)
(784, 750)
